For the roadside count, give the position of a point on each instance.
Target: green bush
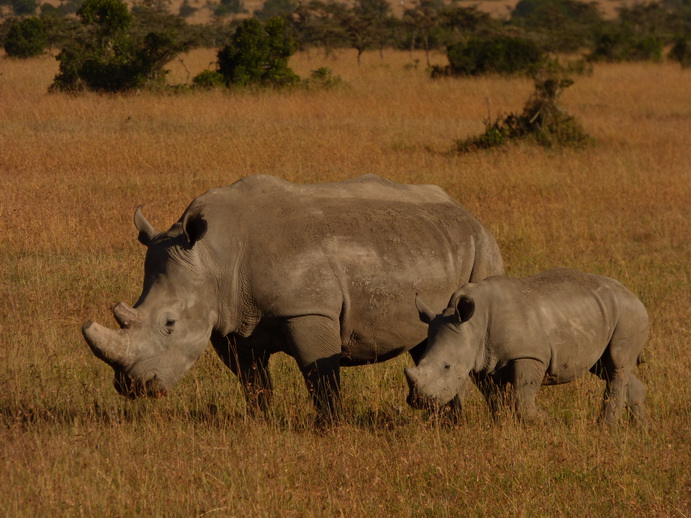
(26, 38)
(542, 121)
(681, 52)
(111, 54)
(322, 78)
(258, 55)
(619, 45)
(562, 25)
(208, 79)
(498, 54)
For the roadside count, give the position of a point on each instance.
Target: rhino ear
(147, 232)
(465, 307)
(194, 227)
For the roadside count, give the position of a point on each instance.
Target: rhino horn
(426, 314)
(147, 232)
(125, 315)
(108, 345)
(412, 374)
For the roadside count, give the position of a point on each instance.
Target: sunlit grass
(73, 169)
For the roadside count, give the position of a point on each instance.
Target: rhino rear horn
(125, 315)
(147, 232)
(425, 313)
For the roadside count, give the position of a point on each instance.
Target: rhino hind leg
(634, 399)
(616, 390)
(251, 365)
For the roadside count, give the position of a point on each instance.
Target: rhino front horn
(412, 374)
(107, 344)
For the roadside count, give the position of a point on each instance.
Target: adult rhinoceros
(324, 273)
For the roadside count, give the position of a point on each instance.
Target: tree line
(118, 48)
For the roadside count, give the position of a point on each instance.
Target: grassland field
(74, 168)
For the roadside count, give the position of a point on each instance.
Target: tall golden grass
(73, 169)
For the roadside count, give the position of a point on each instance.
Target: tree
(497, 54)
(422, 19)
(258, 55)
(274, 8)
(111, 54)
(563, 25)
(26, 38)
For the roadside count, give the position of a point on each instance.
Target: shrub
(258, 55)
(542, 120)
(26, 38)
(111, 54)
(208, 79)
(681, 52)
(498, 54)
(322, 78)
(619, 45)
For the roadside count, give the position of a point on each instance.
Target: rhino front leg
(315, 343)
(527, 380)
(251, 365)
(493, 393)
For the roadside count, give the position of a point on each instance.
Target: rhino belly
(571, 360)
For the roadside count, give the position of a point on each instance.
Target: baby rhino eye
(168, 323)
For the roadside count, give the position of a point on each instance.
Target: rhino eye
(170, 324)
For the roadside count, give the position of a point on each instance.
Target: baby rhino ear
(194, 227)
(464, 309)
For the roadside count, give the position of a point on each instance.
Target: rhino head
(450, 355)
(168, 328)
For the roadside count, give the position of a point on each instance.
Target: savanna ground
(74, 168)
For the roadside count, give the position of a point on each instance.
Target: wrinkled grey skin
(541, 330)
(322, 272)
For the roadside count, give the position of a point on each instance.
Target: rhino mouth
(133, 388)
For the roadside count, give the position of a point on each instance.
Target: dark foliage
(561, 25)
(498, 54)
(114, 52)
(541, 120)
(258, 55)
(681, 52)
(26, 38)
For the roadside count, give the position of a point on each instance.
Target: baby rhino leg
(527, 379)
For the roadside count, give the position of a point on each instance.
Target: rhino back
(356, 251)
(562, 317)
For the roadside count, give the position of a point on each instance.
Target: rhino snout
(412, 375)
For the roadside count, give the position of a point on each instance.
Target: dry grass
(74, 168)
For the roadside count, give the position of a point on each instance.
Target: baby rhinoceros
(542, 330)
